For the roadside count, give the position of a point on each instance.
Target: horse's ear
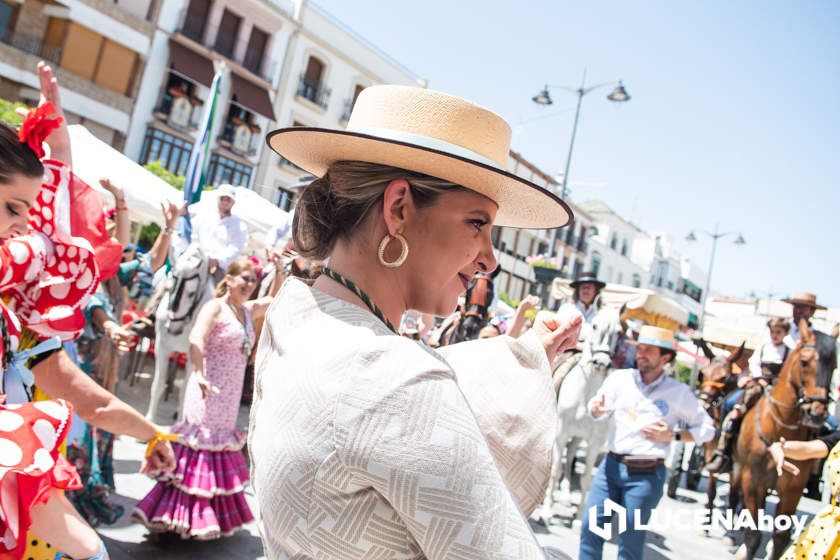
(706, 350)
(805, 332)
(736, 355)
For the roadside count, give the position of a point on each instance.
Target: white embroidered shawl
(368, 445)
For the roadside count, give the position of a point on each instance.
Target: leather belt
(629, 460)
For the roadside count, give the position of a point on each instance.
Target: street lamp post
(618, 95)
(717, 234)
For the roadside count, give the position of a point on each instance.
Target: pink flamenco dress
(203, 498)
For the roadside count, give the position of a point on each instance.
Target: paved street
(129, 540)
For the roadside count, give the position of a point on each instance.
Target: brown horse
(474, 314)
(794, 406)
(717, 380)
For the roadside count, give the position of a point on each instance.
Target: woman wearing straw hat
(364, 443)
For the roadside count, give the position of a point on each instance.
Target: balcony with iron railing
(316, 93)
(196, 28)
(31, 44)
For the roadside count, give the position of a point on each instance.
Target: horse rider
(220, 235)
(804, 306)
(586, 299)
(644, 406)
(764, 368)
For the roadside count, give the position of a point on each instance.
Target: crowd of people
(369, 436)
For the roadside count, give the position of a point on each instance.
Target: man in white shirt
(644, 406)
(221, 238)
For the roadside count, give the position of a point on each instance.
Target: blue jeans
(636, 492)
(731, 399)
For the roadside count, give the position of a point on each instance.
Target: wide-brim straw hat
(434, 134)
(804, 298)
(657, 336)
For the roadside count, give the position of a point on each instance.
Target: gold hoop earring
(403, 254)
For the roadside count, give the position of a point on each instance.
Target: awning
(191, 64)
(251, 96)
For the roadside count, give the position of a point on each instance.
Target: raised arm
(59, 139)
(160, 249)
(258, 307)
(121, 218)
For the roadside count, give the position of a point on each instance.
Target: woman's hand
(530, 302)
(59, 139)
(121, 337)
(777, 452)
(119, 195)
(557, 335)
(204, 384)
(171, 212)
(161, 461)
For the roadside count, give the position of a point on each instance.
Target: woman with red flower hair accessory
(46, 277)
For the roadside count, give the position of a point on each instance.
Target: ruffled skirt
(203, 498)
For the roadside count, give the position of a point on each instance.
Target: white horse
(574, 424)
(188, 286)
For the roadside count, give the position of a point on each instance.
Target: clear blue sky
(735, 115)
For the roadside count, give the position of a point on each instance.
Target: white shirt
(221, 239)
(793, 336)
(637, 405)
(279, 234)
(768, 353)
(589, 315)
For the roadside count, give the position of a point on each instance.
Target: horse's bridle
(803, 399)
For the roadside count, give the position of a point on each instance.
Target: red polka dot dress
(47, 277)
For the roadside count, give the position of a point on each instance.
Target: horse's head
(717, 378)
(805, 378)
(187, 285)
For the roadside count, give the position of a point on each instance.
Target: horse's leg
(789, 494)
(754, 498)
(162, 350)
(572, 445)
(592, 451)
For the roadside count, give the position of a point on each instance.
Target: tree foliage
(158, 169)
(8, 112)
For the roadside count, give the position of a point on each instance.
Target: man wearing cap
(644, 406)
(222, 239)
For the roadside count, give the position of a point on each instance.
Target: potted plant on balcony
(546, 268)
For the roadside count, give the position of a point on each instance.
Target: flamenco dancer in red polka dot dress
(44, 275)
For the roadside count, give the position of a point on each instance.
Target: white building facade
(326, 66)
(623, 253)
(97, 50)
(514, 246)
(193, 38)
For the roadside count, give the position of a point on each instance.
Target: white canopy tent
(144, 191)
(259, 214)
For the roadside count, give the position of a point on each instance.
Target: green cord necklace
(350, 285)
